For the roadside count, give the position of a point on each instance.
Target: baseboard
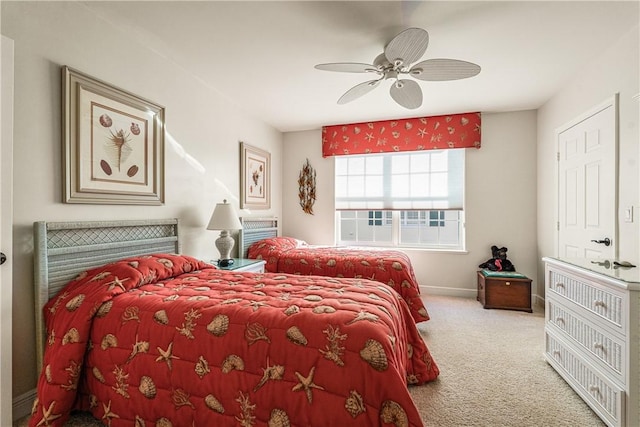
(536, 300)
(22, 404)
(449, 292)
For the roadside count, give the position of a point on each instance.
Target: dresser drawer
(605, 347)
(604, 397)
(604, 303)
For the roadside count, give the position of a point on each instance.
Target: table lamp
(224, 218)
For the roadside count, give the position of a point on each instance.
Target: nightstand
(244, 264)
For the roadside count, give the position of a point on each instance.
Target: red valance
(424, 133)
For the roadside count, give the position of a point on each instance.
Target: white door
(6, 224)
(587, 186)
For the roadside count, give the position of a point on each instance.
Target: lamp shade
(224, 217)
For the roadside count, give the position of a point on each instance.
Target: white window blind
(432, 180)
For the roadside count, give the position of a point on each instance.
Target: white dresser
(592, 327)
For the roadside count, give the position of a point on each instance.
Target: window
(375, 217)
(411, 199)
(436, 218)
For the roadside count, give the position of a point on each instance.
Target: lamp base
(224, 244)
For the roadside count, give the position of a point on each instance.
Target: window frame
(370, 215)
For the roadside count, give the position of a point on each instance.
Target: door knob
(606, 241)
(3, 258)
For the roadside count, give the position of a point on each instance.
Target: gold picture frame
(255, 177)
(113, 144)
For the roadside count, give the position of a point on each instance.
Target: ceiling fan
(395, 63)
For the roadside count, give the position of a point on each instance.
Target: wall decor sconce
(307, 187)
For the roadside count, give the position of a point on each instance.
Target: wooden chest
(501, 291)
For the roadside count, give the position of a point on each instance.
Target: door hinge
(558, 225)
(558, 156)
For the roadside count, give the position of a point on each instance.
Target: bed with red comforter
(168, 340)
(290, 255)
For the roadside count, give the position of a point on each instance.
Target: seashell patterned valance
(415, 134)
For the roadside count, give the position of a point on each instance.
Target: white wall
(319, 227)
(615, 71)
(202, 151)
(500, 203)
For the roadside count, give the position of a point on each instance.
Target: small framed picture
(113, 144)
(255, 177)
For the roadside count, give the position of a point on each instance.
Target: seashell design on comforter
(159, 357)
(391, 267)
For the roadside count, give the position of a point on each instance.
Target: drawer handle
(599, 303)
(598, 345)
(559, 285)
(556, 353)
(594, 388)
(559, 320)
(507, 283)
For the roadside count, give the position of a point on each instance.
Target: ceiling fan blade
(409, 46)
(407, 93)
(357, 91)
(348, 67)
(441, 69)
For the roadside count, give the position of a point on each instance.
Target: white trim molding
(22, 404)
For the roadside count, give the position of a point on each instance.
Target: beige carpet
(492, 372)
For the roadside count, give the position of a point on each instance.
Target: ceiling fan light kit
(403, 50)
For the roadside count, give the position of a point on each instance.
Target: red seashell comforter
(167, 340)
(392, 267)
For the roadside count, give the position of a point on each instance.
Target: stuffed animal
(499, 261)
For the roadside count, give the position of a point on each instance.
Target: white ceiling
(261, 55)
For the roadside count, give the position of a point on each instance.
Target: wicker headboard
(62, 250)
(254, 229)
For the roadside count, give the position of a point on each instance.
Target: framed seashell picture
(113, 144)
(255, 177)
